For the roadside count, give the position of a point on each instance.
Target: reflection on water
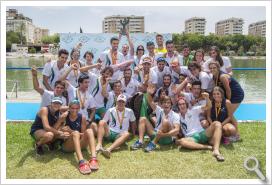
(253, 82)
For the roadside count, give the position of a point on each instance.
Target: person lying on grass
(80, 137)
(196, 137)
(43, 130)
(167, 123)
(120, 119)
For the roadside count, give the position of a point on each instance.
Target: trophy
(124, 23)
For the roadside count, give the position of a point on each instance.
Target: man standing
(186, 57)
(53, 70)
(160, 50)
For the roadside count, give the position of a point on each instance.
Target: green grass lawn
(167, 162)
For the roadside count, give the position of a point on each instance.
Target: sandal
(219, 157)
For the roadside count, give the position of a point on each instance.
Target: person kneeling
(195, 136)
(167, 124)
(80, 137)
(116, 131)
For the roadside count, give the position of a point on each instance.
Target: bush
(32, 50)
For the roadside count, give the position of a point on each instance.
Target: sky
(65, 19)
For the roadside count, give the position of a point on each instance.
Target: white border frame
(5, 4)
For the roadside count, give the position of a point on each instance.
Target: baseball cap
(161, 59)
(150, 43)
(122, 97)
(174, 63)
(56, 99)
(74, 101)
(146, 60)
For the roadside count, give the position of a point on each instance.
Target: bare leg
(43, 137)
(102, 130)
(215, 132)
(165, 127)
(119, 141)
(94, 127)
(229, 130)
(91, 141)
(191, 144)
(144, 125)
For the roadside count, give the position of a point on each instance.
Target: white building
(195, 25)
(18, 22)
(257, 29)
(111, 24)
(229, 26)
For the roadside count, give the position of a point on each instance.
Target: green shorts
(112, 136)
(164, 140)
(200, 137)
(100, 111)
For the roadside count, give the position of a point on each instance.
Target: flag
(80, 30)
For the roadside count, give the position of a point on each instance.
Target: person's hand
(205, 95)
(74, 66)
(127, 33)
(160, 133)
(34, 71)
(108, 80)
(64, 115)
(146, 78)
(151, 89)
(98, 65)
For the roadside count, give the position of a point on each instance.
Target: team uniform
(160, 74)
(131, 88)
(48, 96)
(183, 70)
(95, 89)
(52, 71)
(191, 126)
(107, 60)
(76, 124)
(111, 100)
(173, 118)
(206, 80)
(115, 126)
(186, 60)
(37, 125)
(169, 59)
(89, 102)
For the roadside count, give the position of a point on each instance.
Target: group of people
(165, 96)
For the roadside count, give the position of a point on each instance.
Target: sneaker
(150, 147)
(226, 140)
(38, 149)
(137, 145)
(84, 168)
(93, 163)
(106, 153)
(235, 138)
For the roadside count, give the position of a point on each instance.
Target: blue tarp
(27, 111)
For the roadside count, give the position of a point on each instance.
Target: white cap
(122, 97)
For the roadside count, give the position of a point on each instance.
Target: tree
(51, 39)
(14, 37)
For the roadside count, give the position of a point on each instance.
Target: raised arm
(88, 67)
(208, 102)
(104, 88)
(72, 67)
(46, 83)
(35, 81)
(130, 43)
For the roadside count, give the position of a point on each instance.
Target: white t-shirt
(89, 102)
(48, 96)
(111, 117)
(183, 70)
(190, 124)
(173, 117)
(111, 100)
(106, 59)
(131, 88)
(95, 89)
(73, 77)
(160, 74)
(207, 82)
(52, 71)
(153, 78)
(169, 59)
(226, 64)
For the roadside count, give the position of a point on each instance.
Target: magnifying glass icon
(255, 168)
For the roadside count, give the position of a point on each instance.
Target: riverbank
(10, 55)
